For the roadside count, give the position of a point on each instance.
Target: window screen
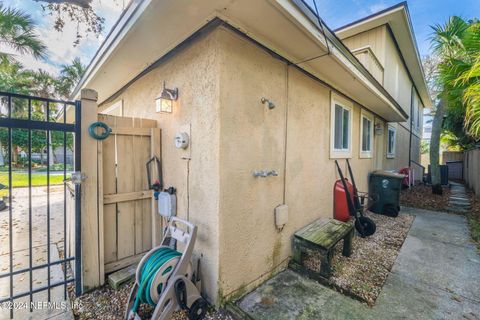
(366, 134)
(391, 141)
(341, 130)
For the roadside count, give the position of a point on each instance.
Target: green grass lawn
(20, 179)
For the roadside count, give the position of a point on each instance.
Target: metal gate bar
(30, 258)
(10, 213)
(78, 208)
(9, 123)
(65, 203)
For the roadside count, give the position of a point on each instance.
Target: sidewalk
(435, 276)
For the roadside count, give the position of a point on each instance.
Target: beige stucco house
(357, 92)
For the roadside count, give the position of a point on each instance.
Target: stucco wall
(222, 78)
(194, 173)
(398, 84)
(253, 138)
(402, 145)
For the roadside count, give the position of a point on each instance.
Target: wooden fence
(471, 170)
(448, 156)
(127, 202)
(119, 219)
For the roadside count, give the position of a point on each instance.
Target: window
(342, 118)
(366, 136)
(341, 123)
(392, 133)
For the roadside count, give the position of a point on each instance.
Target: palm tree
(468, 78)
(447, 45)
(457, 44)
(17, 31)
(70, 75)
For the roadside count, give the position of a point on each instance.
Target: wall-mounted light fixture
(378, 129)
(164, 103)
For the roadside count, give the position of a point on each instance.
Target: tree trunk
(435, 148)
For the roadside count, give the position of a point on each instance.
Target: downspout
(411, 128)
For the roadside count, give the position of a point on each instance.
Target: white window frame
(347, 105)
(391, 155)
(369, 117)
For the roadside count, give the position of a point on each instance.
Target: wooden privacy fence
(128, 209)
(448, 156)
(119, 219)
(471, 170)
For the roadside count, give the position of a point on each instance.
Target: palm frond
(17, 31)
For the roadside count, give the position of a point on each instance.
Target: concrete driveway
(436, 276)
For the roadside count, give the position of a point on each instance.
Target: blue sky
(335, 13)
(424, 13)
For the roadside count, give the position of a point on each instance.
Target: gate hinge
(78, 177)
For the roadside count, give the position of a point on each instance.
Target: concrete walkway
(59, 309)
(436, 276)
(459, 200)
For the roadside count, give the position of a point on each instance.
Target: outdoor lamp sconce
(378, 129)
(269, 103)
(164, 103)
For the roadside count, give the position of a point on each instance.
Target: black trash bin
(384, 191)
(443, 175)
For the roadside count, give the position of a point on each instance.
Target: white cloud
(61, 49)
(29, 61)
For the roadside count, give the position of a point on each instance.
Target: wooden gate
(125, 224)
(130, 223)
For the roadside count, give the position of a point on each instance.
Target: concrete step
(459, 200)
(460, 197)
(460, 207)
(457, 209)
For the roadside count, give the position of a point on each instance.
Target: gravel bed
(363, 274)
(106, 303)
(421, 197)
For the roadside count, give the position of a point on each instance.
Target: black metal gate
(39, 150)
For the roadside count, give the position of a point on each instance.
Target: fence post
(91, 272)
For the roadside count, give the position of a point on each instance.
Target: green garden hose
(149, 269)
(99, 124)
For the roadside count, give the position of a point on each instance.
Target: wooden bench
(321, 236)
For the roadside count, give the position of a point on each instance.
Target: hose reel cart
(164, 277)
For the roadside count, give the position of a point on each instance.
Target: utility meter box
(167, 204)
(281, 216)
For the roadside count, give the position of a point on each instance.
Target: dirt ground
(421, 197)
(363, 274)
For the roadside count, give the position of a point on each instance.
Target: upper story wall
(396, 79)
(369, 48)
(393, 75)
